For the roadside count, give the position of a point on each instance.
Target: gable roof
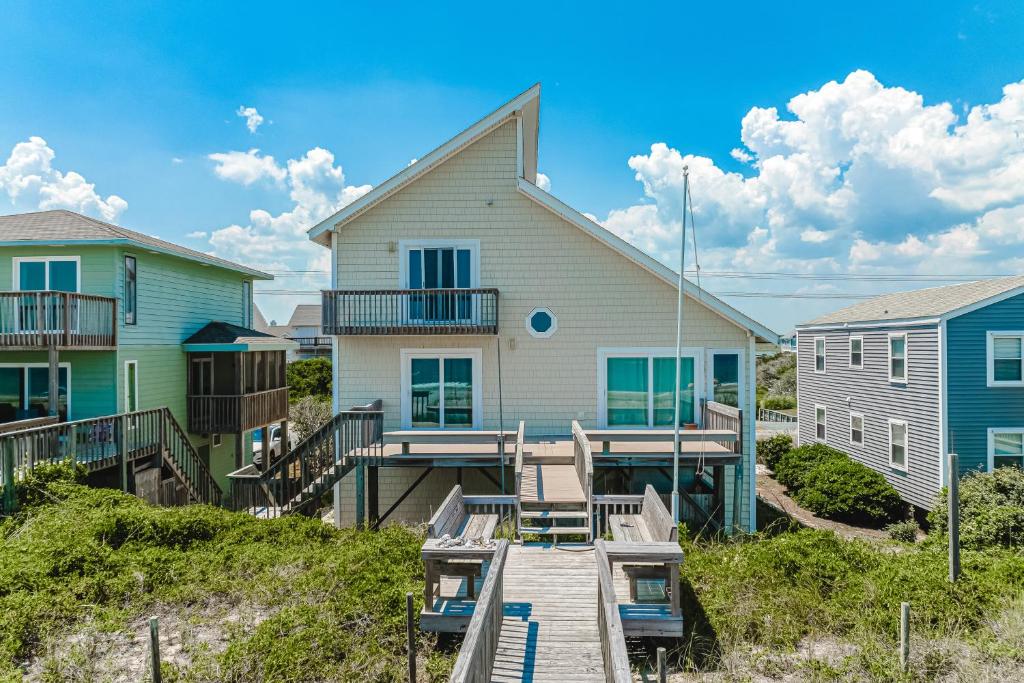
(60, 226)
(526, 106)
(222, 336)
(924, 305)
(305, 315)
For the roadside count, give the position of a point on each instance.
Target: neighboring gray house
(903, 379)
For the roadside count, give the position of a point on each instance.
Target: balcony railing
(310, 343)
(35, 320)
(236, 413)
(410, 311)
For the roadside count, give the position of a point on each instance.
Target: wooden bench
(653, 525)
(452, 519)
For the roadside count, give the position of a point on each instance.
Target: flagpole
(679, 351)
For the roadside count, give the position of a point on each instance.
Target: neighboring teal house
(133, 323)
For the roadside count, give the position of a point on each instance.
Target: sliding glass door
(639, 390)
(441, 392)
(25, 392)
(440, 268)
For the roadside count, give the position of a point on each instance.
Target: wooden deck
(554, 483)
(550, 630)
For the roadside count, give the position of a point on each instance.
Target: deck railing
(311, 342)
(767, 415)
(475, 663)
(690, 511)
(113, 441)
(720, 416)
(236, 413)
(502, 506)
(583, 460)
(410, 311)
(302, 475)
(31, 320)
(609, 622)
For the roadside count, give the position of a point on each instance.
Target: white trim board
(905, 468)
(990, 368)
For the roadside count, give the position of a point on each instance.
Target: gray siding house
(903, 379)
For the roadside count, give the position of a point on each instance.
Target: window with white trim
(131, 299)
(820, 417)
(639, 385)
(1005, 447)
(441, 389)
(541, 323)
(856, 352)
(1005, 359)
(440, 265)
(819, 354)
(131, 386)
(898, 357)
(856, 429)
(898, 440)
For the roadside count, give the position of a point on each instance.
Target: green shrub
(309, 377)
(991, 510)
(796, 463)
(770, 450)
(848, 491)
(904, 532)
(33, 489)
(779, 402)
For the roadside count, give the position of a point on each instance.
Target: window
(856, 352)
(639, 387)
(725, 378)
(25, 391)
(131, 386)
(215, 440)
(898, 357)
(49, 273)
(130, 291)
(1005, 447)
(819, 354)
(246, 304)
(441, 388)
(541, 323)
(1005, 359)
(819, 422)
(898, 445)
(856, 429)
(441, 264)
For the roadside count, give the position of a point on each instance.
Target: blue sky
(135, 101)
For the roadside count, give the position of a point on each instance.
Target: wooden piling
(904, 635)
(410, 630)
(662, 666)
(953, 506)
(154, 647)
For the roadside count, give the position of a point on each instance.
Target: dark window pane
(415, 269)
(464, 272)
(726, 368)
(39, 392)
(540, 322)
(447, 268)
(11, 391)
(32, 276)
(426, 396)
(64, 276)
(129, 290)
(430, 276)
(664, 385)
(1007, 370)
(458, 392)
(627, 392)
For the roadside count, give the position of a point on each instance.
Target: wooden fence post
(953, 506)
(154, 647)
(9, 499)
(121, 423)
(410, 628)
(662, 666)
(904, 635)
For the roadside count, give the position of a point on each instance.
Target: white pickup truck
(275, 444)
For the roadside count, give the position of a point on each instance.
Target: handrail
(410, 311)
(609, 621)
(186, 464)
(29, 423)
(475, 662)
(583, 460)
(34, 319)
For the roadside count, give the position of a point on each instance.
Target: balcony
(410, 311)
(66, 320)
(232, 414)
(313, 346)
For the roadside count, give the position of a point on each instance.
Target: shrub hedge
(778, 402)
(797, 462)
(771, 450)
(991, 510)
(848, 491)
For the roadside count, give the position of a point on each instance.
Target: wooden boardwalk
(550, 483)
(550, 629)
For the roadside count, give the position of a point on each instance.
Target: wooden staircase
(553, 492)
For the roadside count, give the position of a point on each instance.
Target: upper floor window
(898, 444)
(1005, 447)
(1005, 359)
(856, 352)
(857, 429)
(130, 290)
(246, 304)
(441, 264)
(49, 273)
(819, 354)
(898, 357)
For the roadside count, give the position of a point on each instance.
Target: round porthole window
(541, 323)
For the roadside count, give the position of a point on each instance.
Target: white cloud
(316, 187)
(543, 182)
(197, 235)
(247, 167)
(177, 160)
(253, 119)
(854, 174)
(30, 181)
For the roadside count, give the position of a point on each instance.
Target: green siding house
(132, 323)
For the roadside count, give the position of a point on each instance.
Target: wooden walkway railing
(583, 460)
(112, 441)
(475, 663)
(613, 638)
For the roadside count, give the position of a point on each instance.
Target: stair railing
(583, 460)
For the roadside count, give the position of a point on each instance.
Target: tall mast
(679, 351)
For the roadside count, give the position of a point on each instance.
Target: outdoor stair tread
(553, 514)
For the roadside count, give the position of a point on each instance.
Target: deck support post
(240, 451)
(360, 473)
(373, 494)
(54, 386)
(265, 447)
